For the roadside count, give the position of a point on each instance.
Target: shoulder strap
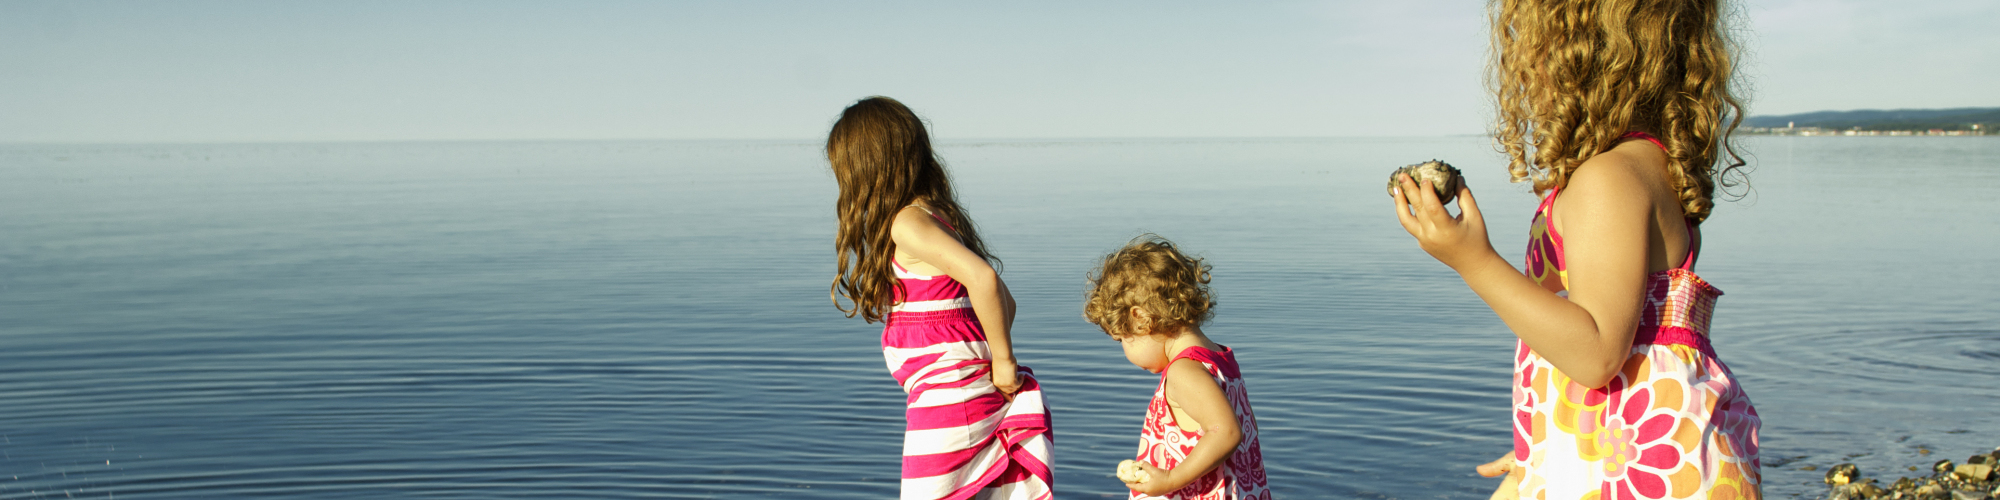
(1693, 246)
(1219, 363)
(934, 215)
(1547, 211)
(1193, 353)
(1197, 353)
(947, 225)
(1646, 136)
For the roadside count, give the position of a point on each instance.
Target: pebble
(1972, 480)
(1130, 472)
(1842, 474)
(1974, 472)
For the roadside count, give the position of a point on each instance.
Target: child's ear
(1142, 320)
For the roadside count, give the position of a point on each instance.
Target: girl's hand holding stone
(1451, 240)
(1143, 477)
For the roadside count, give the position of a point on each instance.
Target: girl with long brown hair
(910, 257)
(1619, 112)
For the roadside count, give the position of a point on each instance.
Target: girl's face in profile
(1146, 351)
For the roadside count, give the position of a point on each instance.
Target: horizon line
(965, 140)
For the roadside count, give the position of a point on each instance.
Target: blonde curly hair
(1152, 274)
(1572, 77)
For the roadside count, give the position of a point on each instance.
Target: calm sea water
(650, 319)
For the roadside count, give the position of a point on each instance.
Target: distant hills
(1884, 120)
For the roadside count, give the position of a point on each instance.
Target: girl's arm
(1190, 385)
(1606, 215)
(917, 234)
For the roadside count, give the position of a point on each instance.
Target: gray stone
(1444, 178)
(1974, 472)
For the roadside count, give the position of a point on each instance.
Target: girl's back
(976, 424)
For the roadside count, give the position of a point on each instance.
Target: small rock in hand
(1129, 472)
(1444, 178)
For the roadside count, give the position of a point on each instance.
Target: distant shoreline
(1894, 122)
(1816, 131)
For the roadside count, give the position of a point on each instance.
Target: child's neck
(1190, 337)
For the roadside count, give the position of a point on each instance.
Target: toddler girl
(1200, 437)
(1619, 112)
(909, 257)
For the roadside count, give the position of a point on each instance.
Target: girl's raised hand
(1451, 240)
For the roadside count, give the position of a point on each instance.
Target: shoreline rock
(1972, 480)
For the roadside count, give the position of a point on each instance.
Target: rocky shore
(1972, 480)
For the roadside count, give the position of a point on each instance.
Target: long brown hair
(1573, 76)
(883, 160)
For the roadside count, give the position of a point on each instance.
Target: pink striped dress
(1163, 444)
(964, 438)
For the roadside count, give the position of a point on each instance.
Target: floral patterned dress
(1672, 424)
(1163, 444)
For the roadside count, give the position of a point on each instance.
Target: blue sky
(242, 71)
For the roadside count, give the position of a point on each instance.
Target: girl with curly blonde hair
(1619, 112)
(908, 256)
(1200, 437)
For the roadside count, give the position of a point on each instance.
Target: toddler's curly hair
(1152, 274)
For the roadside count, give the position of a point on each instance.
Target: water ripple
(649, 319)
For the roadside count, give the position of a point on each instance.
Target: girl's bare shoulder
(922, 243)
(1628, 175)
(1189, 374)
(912, 223)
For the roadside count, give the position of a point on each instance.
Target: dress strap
(1197, 353)
(906, 273)
(1646, 136)
(934, 215)
(1693, 247)
(1688, 264)
(1548, 213)
(1220, 363)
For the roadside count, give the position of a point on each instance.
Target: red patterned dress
(1163, 444)
(1672, 424)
